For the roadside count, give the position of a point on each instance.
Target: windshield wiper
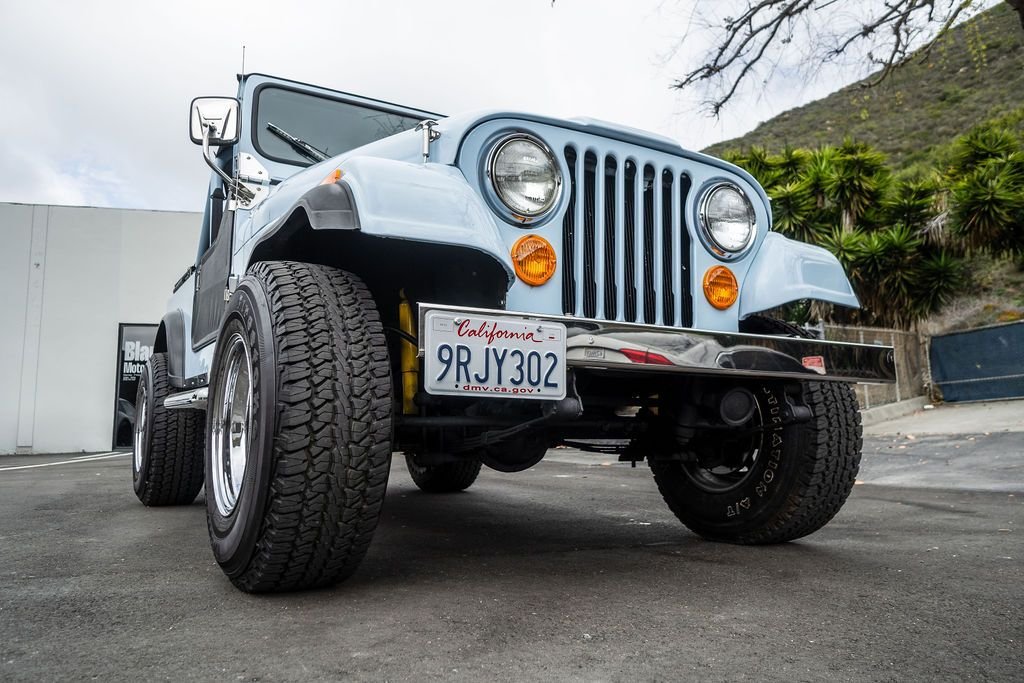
(298, 144)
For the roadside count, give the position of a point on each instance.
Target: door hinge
(254, 177)
(231, 287)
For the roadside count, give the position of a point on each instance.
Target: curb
(891, 411)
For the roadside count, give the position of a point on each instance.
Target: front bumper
(606, 345)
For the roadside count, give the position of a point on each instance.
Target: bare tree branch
(884, 33)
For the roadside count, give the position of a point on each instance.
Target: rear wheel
(445, 478)
(298, 428)
(167, 445)
(514, 455)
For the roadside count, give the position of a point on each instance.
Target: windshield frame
(362, 102)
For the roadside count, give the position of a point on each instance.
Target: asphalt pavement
(573, 570)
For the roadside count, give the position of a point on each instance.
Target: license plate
(479, 355)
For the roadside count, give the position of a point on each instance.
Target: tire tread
(331, 445)
(446, 478)
(174, 463)
(829, 460)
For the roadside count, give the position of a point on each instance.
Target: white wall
(15, 248)
(68, 276)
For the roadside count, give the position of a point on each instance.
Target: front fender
(422, 202)
(785, 270)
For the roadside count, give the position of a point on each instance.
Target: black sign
(134, 347)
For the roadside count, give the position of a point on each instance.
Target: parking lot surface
(574, 570)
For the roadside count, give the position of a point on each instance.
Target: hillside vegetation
(916, 186)
(974, 74)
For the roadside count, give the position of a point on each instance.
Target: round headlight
(727, 217)
(525, 176)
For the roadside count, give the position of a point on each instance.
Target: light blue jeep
(473, 290)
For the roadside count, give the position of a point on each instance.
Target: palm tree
(845, 200)
(981, 144)
(910, 203)
(898, 278)
(941, 278)
(794, 209)
(790, 165)
(988, 206)
(858, 179)
(759, 164)
(817, 171)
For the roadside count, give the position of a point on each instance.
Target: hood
(407, 146)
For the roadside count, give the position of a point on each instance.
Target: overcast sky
(94, 95)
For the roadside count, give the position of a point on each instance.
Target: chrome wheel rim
(141, 416)
(229, 446)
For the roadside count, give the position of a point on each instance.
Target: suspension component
(737, 406)
(409, 363)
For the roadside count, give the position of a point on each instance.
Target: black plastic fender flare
(170, 338)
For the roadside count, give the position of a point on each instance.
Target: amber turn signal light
(720, 287)
(534, 259)
(333, 178)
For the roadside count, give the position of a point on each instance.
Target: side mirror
(219, 115)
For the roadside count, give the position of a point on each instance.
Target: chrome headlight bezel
(510, 213)
(719, 250)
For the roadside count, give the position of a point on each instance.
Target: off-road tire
(446, 478)
(167, 458)
(320, 436)
(801, 478)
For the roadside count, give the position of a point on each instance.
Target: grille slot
(626, 248)
(610, 247)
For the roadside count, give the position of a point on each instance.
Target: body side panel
(194, 363)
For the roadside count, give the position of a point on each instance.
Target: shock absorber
(410, 367)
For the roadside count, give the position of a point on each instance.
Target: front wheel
(774, 482)
(298, 428)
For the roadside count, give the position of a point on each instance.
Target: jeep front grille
(626, 249)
